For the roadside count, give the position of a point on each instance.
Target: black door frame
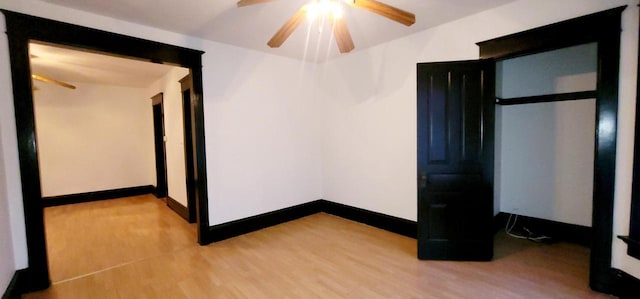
(161, 188)
(21, 29)
(186, 89)
(604, 29)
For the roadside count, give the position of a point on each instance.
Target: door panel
(455, 160)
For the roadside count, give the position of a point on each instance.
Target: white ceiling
(222, 21)
(252, 26)
(70, 65)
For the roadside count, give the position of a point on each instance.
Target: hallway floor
(138, 248)
(90, 237)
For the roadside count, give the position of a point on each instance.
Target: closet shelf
(556, 97)
(633, 246)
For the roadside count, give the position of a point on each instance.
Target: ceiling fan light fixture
(332, 10)
(337, 12)
(324, 8)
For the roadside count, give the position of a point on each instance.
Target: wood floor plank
(93, 236)
(319, 256)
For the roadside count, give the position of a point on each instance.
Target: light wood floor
(89, 237)
(320, 256)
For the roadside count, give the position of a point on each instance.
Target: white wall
(544, 160)
(9, 145)
(7, 261)
(169, 85)
(93, 138)
(369, 145)
(569, 69)
(262, 125)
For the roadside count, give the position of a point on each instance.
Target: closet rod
(556, 97)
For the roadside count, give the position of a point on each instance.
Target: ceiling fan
(52, 81)
(48, 80)
(333, 9)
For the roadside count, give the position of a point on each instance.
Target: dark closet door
(455, 160)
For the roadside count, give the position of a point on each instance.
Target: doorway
(96, 137)
(157, 105)
(186, 87)
(545, 133)
(21, 29)
(603, 29)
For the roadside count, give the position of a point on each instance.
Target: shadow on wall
(379, 72)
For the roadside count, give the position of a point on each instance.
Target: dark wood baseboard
(382, 221)
(242, 226)
(625, 285)
(558, 231)
(246, 225)
(17, 286)
(178, 208)
(96, 195)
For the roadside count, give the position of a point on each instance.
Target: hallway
(91, 237)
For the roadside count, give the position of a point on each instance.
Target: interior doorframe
(186, 91)
(21, 29)
(162, 188)
(604, 29)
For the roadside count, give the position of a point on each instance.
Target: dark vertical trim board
(59, 200)
(22, 29)
(603, 28)
(186, 86)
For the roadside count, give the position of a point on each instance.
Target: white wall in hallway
(93, 138)
(7, 260)
(169, 85)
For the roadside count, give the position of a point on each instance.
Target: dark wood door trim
(603, 28)
(21, 29)
(186, 87)
(157, 104)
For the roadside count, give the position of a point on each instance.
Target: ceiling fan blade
(342, 36)
(242, 3)
(281, 36)
(404, 17)
(47, 80)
